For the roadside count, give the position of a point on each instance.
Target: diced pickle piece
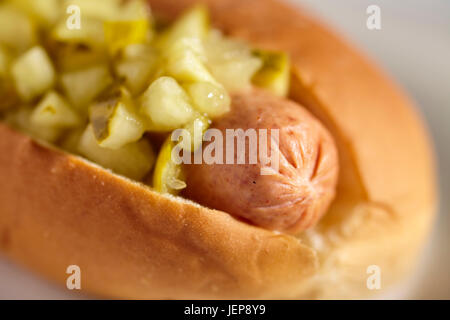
(70, 57)
(136, 74)
(21, 120)
(90, 34)
(196, 130)
(209, 98)
(115, 121)
(134, 160)
(275, 72)
(17, 30)
(45, 12)
(168, 176)
(97, 9)
(185, 61)
(167, 105)
(71, 140)
(53, 111)
(112, 10)
(136, 67)
(135, 10)
(194, 23)
(218, 47)
(83, 86)
(119, 34)
(186, 66)
(33, 73)
(230, 61)
(236, 75)
(138, 51)
(194, 45)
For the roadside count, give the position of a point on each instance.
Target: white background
(414, 47)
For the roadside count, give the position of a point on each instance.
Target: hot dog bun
(130, 242)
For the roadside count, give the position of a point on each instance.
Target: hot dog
(89, 184)
(292, 198)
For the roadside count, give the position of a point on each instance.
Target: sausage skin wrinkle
(290, 200)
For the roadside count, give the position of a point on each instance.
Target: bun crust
(130, 242)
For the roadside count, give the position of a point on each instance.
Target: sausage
(291, 199)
